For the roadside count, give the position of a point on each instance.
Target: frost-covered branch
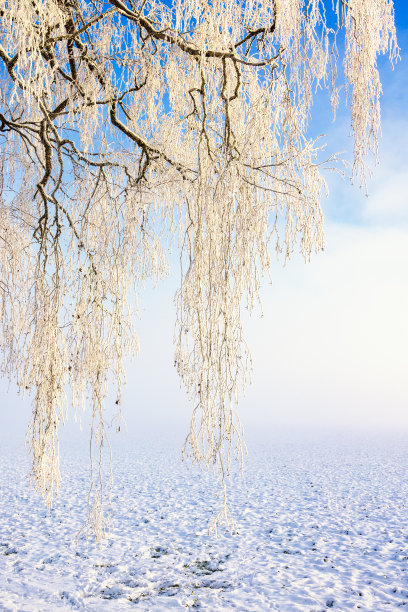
(122, 122)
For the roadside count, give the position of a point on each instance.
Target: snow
(320, 525)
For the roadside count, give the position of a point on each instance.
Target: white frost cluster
(128, 124)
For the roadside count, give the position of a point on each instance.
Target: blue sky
(331, 350)
(336, 352)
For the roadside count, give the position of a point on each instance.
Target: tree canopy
(127, 125)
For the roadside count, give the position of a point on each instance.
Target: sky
(330, 352)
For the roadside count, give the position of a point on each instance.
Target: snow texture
(319, 526)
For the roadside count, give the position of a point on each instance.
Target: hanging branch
(128, 120)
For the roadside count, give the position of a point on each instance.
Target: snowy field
(320, 525)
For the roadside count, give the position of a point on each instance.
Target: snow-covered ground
(320, 525)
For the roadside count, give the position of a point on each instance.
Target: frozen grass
(320, 526)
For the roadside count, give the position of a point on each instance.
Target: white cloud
(332, 347)
(387, 203)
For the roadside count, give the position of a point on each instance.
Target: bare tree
(126, 122)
